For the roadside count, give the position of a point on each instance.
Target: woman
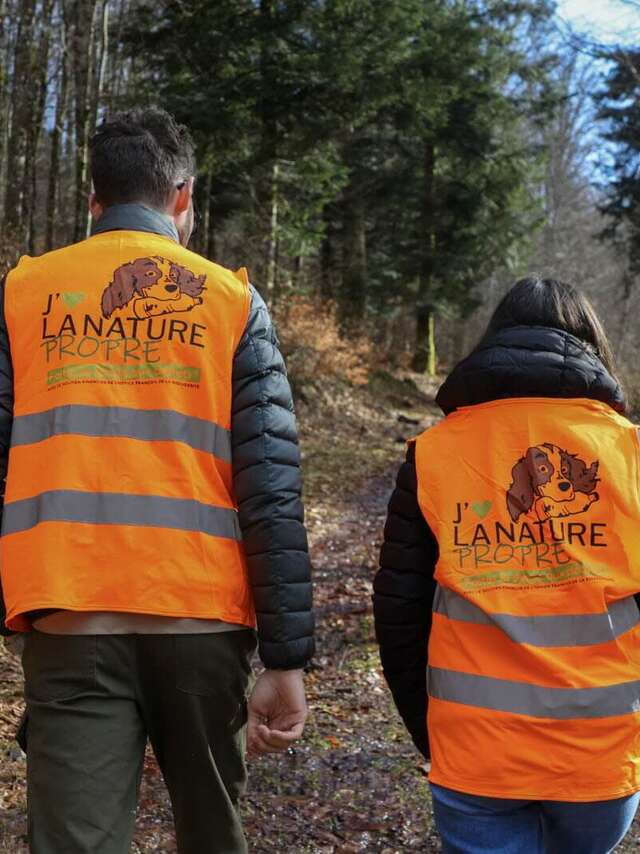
(512, 550)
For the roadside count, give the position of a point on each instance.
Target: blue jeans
(470, 824)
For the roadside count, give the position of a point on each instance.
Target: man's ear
(183, 197)
(95, 208)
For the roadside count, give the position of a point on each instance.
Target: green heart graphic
(481, 508)
(72, 299)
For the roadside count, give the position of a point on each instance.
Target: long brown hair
(535, 301)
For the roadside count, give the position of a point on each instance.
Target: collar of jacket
(135, 217)
(530, 361)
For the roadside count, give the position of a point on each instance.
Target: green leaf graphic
(481, 508)
(72, 299)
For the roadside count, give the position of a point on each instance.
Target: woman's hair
(547, 302)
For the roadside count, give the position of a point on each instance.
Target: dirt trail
(355, 783)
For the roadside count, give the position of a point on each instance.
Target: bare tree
(81, 30)
(8, 29)
(39, 75)
(61, 81)
(21, 101)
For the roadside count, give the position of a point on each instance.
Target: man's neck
(135, 217)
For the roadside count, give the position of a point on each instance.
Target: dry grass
(314, 347)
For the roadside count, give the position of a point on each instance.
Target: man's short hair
(140, 156)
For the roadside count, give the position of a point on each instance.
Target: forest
(386, 171)
(346, 152)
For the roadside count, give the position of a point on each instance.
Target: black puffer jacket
(6, 419)
(517, 362)
(267, 486)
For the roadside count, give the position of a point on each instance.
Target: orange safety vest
(534, 652)
(119, 488)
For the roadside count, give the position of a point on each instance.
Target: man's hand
(14, 644)
(277, 711)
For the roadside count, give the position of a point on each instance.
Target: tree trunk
(7, 15)
(21, 100)
(272, 236)
(82, 45)
(54, 167)
(328, 256)
(354, 258)
(431, 345)
(425, 351)
(102, 62)
(66, 185)
(119, 60)
(267, 187)
(39, 74)
(627, 293)
(97, 82)
(297, 272)
(209, 233)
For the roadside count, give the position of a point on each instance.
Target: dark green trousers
(92, 703)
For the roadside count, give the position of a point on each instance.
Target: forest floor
(354, 783)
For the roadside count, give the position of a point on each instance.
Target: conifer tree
(620, 114)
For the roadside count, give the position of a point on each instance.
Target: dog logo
(156, 286)
(551, 483)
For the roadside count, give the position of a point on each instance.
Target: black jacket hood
(530, 361)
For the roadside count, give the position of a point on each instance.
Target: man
(152, 510)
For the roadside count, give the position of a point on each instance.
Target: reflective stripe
(521, 698)
(115, 508)
(545, 631)
(147, 424)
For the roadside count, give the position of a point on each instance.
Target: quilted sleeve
(404, 588)
(267, 485)
(6, 419)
